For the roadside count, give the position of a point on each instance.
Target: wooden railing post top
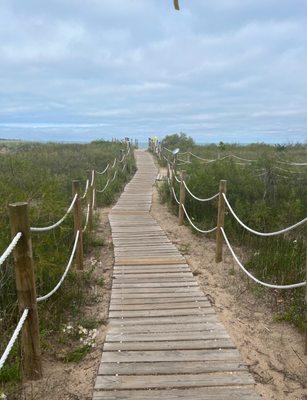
(223, 185)
(76, 185)
(18, 204)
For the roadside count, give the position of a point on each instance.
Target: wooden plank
(165, 328)
(171, 345)
(150, 270)
(166, 355)
(175, 381)
(118, 275)
(216, 393)
(156, 293)
(171, 368)
(146, 261)
(156, 300)
(162, 313)
(165, 336)
(159, 306)
(187, 284)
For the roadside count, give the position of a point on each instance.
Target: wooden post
(78, 223)
(181, 197)
(220, 222)
(90, 202)
(26, 291)
(188, 158)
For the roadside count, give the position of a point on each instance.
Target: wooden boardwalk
(164, 340)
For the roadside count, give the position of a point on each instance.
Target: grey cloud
(223, 67)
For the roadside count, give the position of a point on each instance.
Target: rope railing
(46, 296)
(122, 159)
(14, 337)
(194, 226)
(93, 177)
(114, 163)
(104, 171)
(50, 227)
(114, 176)
(299, 164)
(104, 188)
(269, 285)
(289, 228)
(175, 176)
(10, 248)
(86, 218)
(19, 226)
(86, 189)
(199, 198)
(174, 194)
(221, 236)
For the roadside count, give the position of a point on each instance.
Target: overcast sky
(231, 70)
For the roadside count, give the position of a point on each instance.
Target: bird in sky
(176, 5)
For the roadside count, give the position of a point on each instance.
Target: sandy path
(273, 351)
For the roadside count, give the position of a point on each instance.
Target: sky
(218, 70)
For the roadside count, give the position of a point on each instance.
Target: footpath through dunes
(164, 340)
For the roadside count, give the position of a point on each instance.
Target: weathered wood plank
(202, 311)
(179, 367)
(166, 355)
(159, 306)
(171, 345)
(157, 337)
(165, 328)
(216, 393)
(174, 381)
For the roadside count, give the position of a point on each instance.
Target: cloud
(136, 67)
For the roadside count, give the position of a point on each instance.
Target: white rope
(289, 171)
(174, 194)
(94, 197)
(42, 298)
(165, 148)
(292, 163)
(93, 177)
(102, 190)
(194, 226)
(198, 198)
(86, 218)
(175, 176)
(200, 158)
(289, 228)
(114, 176)
(124, 167)
(48, 228)
(14, 337)
(165, 158)
(10, 248)
(86, 189)
(128, 151)
(222, 158)
(102, 172)
(124, 156)
(114, 163)
(295, 285)
(183, 161)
